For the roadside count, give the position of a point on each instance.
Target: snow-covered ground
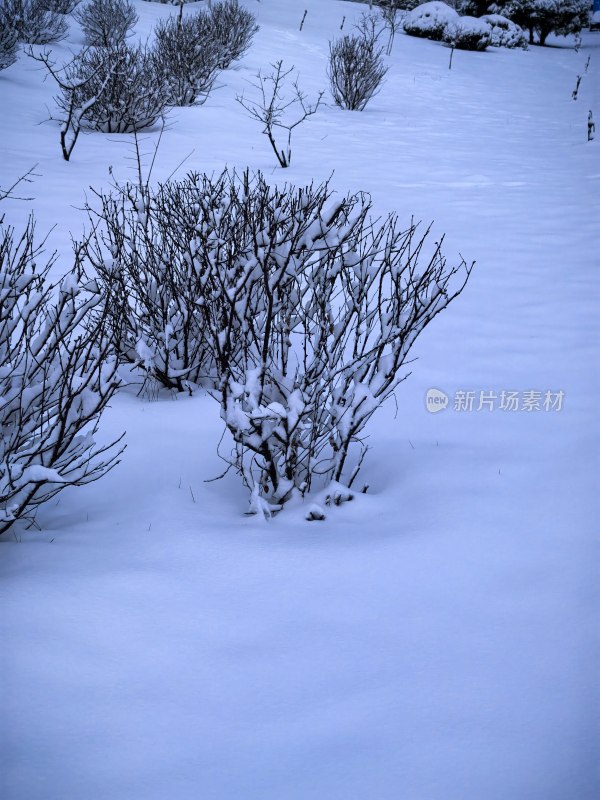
(436, 639)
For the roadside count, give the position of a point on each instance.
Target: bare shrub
(392, 15)
(144, 252)
(56, 378)
(315, 310)
(292, 306)
(60, 6)
(9, 40)
(356, 71)
(232, 26)
(33, 23)
(106, 23)
(186, 59)
(117, 88)
(272, 109)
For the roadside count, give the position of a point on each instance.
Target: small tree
(56, 378)
(356, 71)
(272, 109)
(106, 23)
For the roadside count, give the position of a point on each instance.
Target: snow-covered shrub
(468, 33)
(230, 25)
(356, 71)
(326, 304)
(294, 308)
(115, 87)
(33, 22)
(504, 32)
(144, 252)
(429, 20)
(60, 6)
(106, 23)
(56, 378)
(9, 40)
(543, 17)
(186, 60)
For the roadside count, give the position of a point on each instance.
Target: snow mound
(430, 20)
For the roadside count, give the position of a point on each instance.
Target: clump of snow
(504, 32)
(430, 20)
(468, 33)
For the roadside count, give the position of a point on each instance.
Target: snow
(504, 32)
(429, 19)
(433, 639)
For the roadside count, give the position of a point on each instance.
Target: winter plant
(392, 18)
(186, 59)
(318, 309)
(504, 32)
(33, 22)
(356, 71)
(429, 20)
(56, 378)
(109, 89)
(279, 110)
(106, 23)
(467, 33)
(60, 6)
(543, 17)
(143, 249)
(232, 27)
(114, 89)
(9, 40)
(370, 26)
(294, 307)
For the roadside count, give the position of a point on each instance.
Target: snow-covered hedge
(429, 20)
(504, 32)
(467, 33)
